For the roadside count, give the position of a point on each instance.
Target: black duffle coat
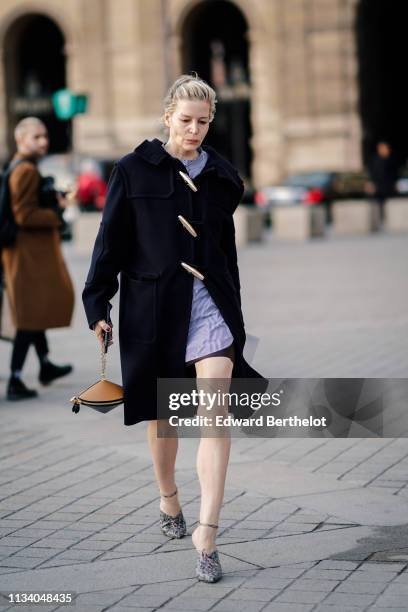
(141, 238)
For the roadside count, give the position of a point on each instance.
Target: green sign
(67, 104)
(81, 103)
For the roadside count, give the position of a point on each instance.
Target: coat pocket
(138, 308)
(147, 187)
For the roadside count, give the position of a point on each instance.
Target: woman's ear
(167, 119)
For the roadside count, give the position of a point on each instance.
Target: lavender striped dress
(208, 331)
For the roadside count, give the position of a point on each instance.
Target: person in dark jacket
(383, 170)
(167, 228)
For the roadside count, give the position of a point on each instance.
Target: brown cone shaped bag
(103, 395)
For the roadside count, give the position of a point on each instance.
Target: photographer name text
(260, 421)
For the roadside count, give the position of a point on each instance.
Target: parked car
(402, 184)
(311, 188)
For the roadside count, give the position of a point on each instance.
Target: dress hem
(222, 349)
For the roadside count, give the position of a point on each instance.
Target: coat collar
(20, 156)
(154, 152)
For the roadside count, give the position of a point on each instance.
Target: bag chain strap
(103, 363)
(76, 402)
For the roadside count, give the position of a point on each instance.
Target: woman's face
(188, 124)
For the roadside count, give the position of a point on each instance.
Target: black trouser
(22, 342)
(381, 200)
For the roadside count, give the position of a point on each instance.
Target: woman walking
(167, 227)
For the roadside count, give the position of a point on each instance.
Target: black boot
(16, 390)
(49, 372)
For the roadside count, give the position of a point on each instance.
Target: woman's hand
(369, 187)
(100, 328)
(62, 200)
(66, 198)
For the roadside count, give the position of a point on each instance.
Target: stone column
(89, 71)
(267, 143)
(124, 69)
(353, 144)
(320, 89)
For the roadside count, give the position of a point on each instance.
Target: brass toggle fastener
(187, 225)
(187, 180)
(192, 270)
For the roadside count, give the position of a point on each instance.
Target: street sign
(67, 104)
(81, 103)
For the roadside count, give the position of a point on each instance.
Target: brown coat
(38, 284)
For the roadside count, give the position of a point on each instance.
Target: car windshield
(312, 179)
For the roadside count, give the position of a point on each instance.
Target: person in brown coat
(38, 284)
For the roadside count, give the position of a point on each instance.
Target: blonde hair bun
(189, 87)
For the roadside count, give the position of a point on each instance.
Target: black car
(310, 188)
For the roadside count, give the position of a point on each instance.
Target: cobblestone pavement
(307, 524)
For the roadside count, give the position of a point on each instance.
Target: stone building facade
(292, 69)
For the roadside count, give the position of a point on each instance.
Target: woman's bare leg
(164, 452)
(212, 457)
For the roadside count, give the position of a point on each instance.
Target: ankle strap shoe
(208, 567)
(172, 526)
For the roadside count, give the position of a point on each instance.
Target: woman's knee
(215, 367)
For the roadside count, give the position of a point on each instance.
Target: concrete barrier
(85, 230)
(396, 215)
(352, 217)
(249, 223)
(298, 221)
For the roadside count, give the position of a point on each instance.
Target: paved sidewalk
(307, 524)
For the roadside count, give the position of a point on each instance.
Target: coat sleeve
(24, 183)
(109, 250)
(228, 240)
